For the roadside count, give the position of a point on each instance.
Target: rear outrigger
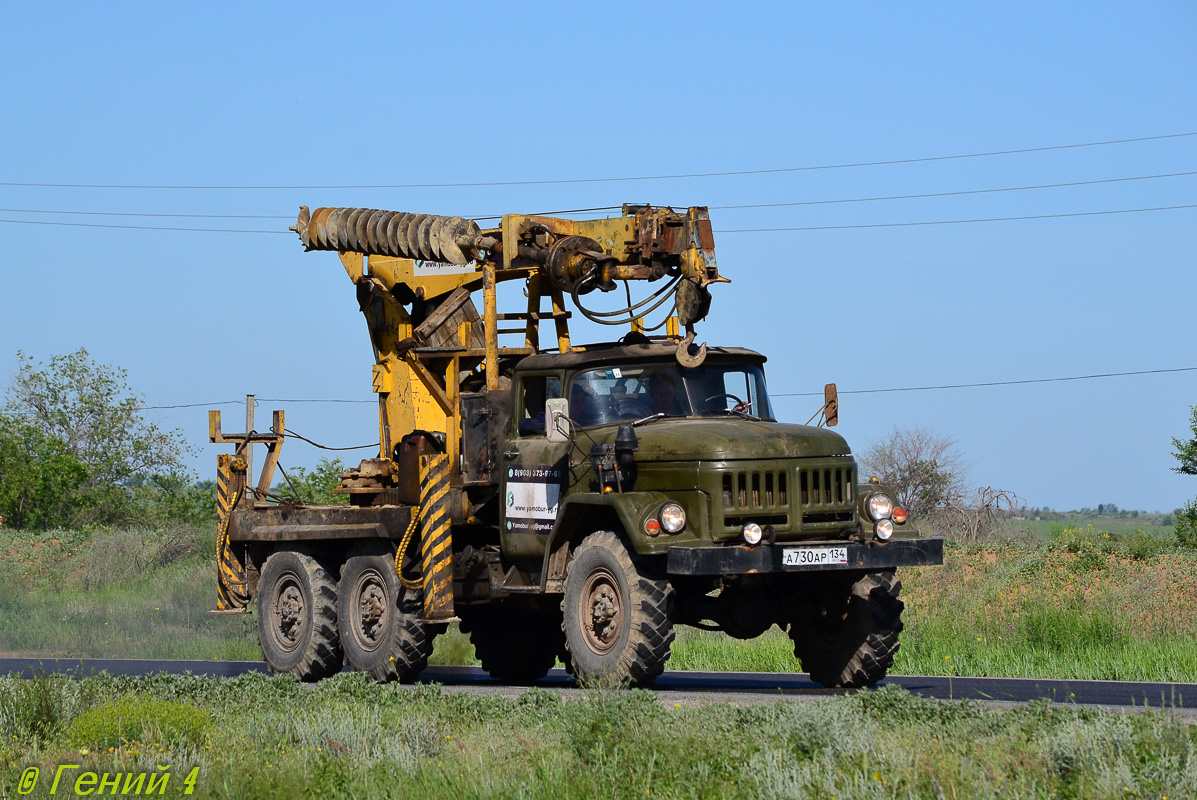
(561, 502)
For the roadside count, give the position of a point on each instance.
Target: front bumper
(744, 560)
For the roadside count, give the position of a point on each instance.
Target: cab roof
(616, 352)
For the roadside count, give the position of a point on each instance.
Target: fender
(629, 509)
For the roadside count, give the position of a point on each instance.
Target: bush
(37, 709)
(141, 720)
(39, 478)
(1186, 524)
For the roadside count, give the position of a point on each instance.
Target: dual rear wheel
(310, 622)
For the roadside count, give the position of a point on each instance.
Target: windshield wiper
(651, 417)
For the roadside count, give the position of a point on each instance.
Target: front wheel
(846, 633)
(297, 616)
(618, 622)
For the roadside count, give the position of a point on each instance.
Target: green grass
(1085, 603)
(271, 737)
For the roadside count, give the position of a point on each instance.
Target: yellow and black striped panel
(435, 537)
(230, 573)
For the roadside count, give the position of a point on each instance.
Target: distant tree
(1186, 455)
(39, 478)
(979, 517)
(129, 465)
(1186, 450)
(315, 486)
(91, 408)
(925, 469)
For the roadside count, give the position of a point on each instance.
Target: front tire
(380, 626)
(297, 616)
(846, 633)
(618, 622)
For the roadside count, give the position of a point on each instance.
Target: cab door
(535, 470)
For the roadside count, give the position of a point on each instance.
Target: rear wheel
(618, 621)
(517, 645)
(380, 626)
(297, 616)
(846, 633)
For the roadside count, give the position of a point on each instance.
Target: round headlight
(884, 529)
(880, 506)
(752, 533)
(673, 517)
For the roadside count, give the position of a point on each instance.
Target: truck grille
(826, 494)
(807, 497)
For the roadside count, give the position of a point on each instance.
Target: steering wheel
(634, 408)
(741, 407)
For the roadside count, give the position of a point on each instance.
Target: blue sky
(318, 95)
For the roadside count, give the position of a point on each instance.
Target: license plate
(813, 556)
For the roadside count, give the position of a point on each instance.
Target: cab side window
(535, 390)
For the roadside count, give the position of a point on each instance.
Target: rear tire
(618, 622)
(517, 645)
(846, 634)
(381, 631)
(297, 616)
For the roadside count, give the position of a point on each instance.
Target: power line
(954, 221)
(242, 402)
(721, 231)
(134, 227)
(945, 194)
(558, 181)
(782, 394)
(992, 383)
(788, 204)
(142, 214)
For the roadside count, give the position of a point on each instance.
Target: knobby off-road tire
(518, 645)
(618, 622)
(297, 616)
(379, 620)
(847, 634)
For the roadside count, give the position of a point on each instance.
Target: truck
(560, 502)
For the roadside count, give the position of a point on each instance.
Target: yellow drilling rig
(559, 501)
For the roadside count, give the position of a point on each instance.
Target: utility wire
(720, 231)
(558, 181)
(946, 194)
(783, 394)
(135, 227)
(954, 221)
(142, 214)
(789, 204)
(992, 383)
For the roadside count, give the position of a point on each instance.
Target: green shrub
(1186, 524)
(140, 719)
(36, 709)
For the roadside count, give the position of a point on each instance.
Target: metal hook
(683, 354)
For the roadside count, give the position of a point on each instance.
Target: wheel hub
(289, 610)
(372, 606)
(602, 618)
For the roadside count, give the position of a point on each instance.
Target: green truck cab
(642, 494)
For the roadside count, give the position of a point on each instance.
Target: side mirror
(831, 405)
(556, 420)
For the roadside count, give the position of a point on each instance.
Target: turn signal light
(652, 527)
(900, 515)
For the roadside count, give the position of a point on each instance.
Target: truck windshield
(627, 393)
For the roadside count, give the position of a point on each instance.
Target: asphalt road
(695, 686)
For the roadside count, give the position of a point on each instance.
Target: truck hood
(733, 439)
